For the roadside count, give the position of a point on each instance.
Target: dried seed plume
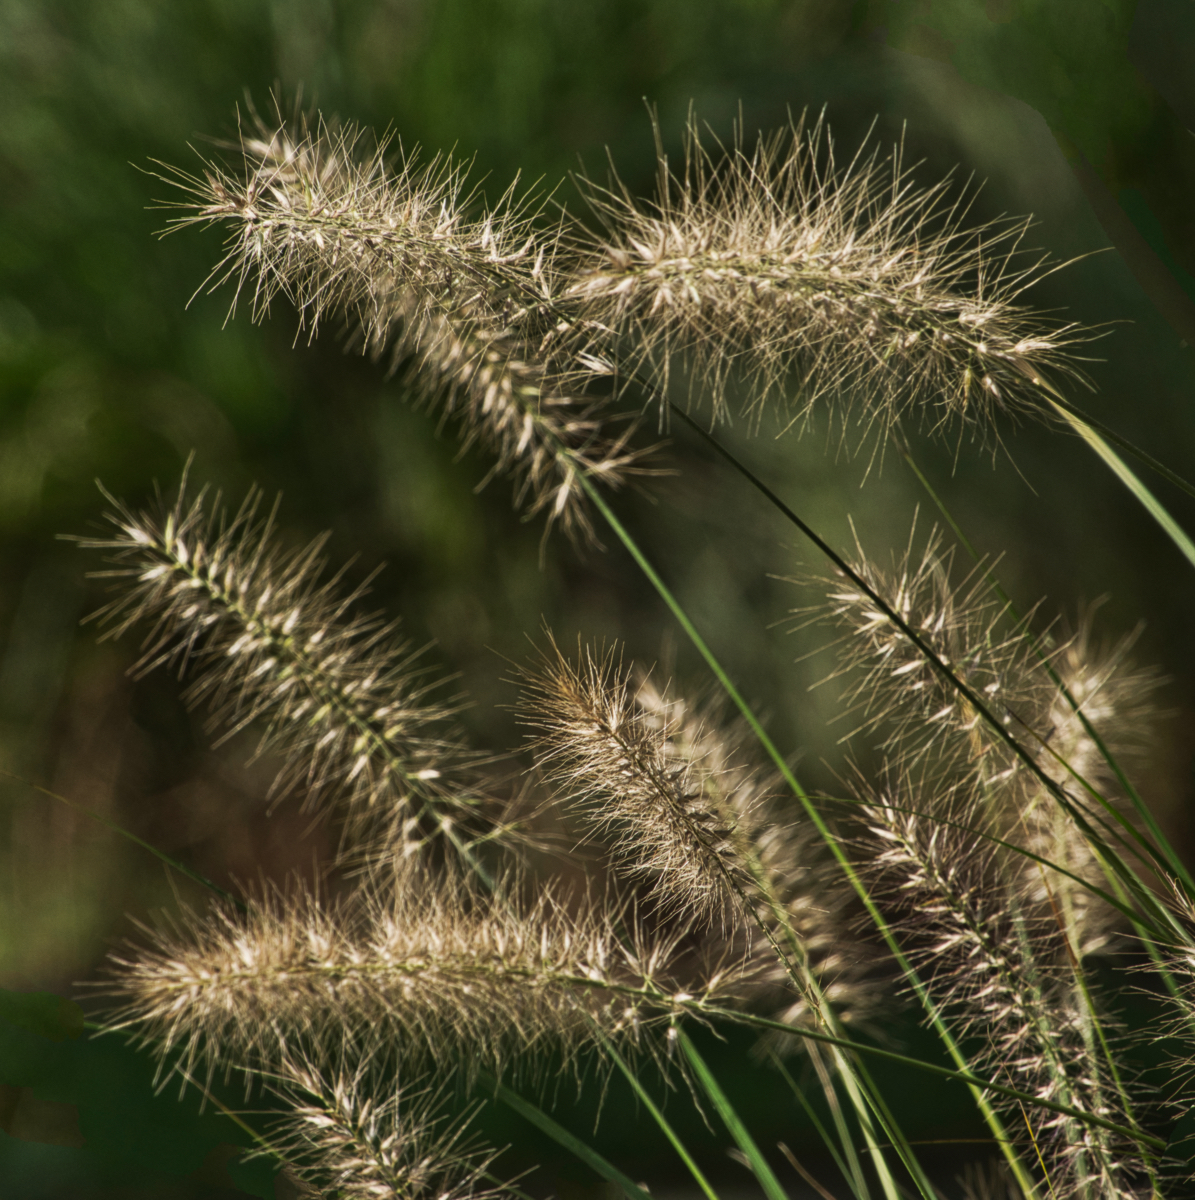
(466, 298)
(424, 971)
(349, 1135)
(690, 813)
(346, 704)
(1003, 973)
(845, 283)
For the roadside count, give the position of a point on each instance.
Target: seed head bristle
(894, 688)
(426, 972)
(340, 1138)
(846, 283)
(346, 704)
(1000, 970)
(687, 810)
(390, 245)
(1116, 700)
(610, 743)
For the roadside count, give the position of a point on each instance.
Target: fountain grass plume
(419, 269)
(690, 814)
(816, 282)
(1005, 973)
(269, 640)
(429, 973)
(360, 1138)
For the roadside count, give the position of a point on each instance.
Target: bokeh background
(116, 364)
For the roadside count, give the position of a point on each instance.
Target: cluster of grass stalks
(998, 866)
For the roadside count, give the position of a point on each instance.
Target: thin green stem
(660, 1119)
(853, 1175)
(989, 1114)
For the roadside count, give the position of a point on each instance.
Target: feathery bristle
(340, 1139)
(1116, 698)
(895, 688)
(428, 972)
(688, 811)
(342, 231)
(775, 263)
(673, 806)
(891, 684)
(343, 701)
(1002, 973)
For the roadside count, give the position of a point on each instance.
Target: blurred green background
(114, 366)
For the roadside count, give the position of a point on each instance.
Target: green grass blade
(661, 1121)
(1121, 441)
(1123, 472)
(587, 1154)
(853, 1175)
(990, 1116)
(759, 1164)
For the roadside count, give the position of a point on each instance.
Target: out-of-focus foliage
(1075, 110)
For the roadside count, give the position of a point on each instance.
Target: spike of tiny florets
(1002, 973)
(428, 973)
(689, 812)
(611, 745)
(344, 702)
(467, 300)
(844, 283)
(348, 1135)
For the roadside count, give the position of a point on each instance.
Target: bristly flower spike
(1055, 696)
(852, 284)
(428, 972)
(464, 299)
(1001, 969)
(339, 1138)
(688, 812)
(346, 704)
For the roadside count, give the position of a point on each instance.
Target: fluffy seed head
(891, 685)
(1001, 971)
(354, 1137)
(342, 230)
(688, 811)
(849, 283)
(1060, 701)
(413, 969)
(673, 800)
(343, 700)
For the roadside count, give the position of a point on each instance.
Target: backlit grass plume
(1003, 972)
(1080, 711)
(418, 268)
(688, 812)
(268, 639)
(413, 968)
(349, 1135)
(814, 280)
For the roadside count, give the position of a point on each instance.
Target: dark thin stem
(928, 653)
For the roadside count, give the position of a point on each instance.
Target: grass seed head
(848, 284)
(420, 269)
(422, 971)
(1001, 971)
(690, 813)
(267, 640)
(359, 1138)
